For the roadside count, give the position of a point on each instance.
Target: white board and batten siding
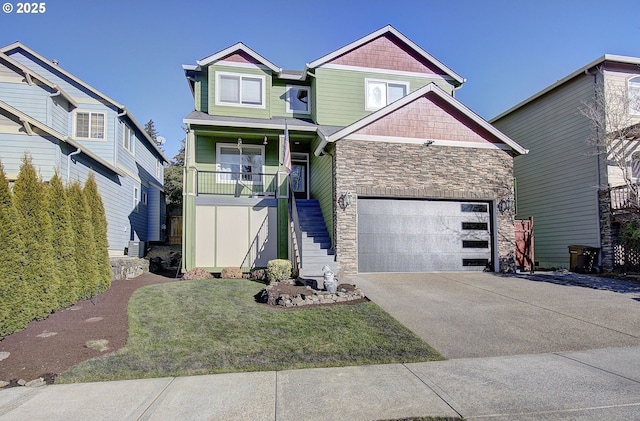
(235, 236)
(557, 182)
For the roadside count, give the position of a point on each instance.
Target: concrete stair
(316, 243)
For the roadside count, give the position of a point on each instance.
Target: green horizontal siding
(321, 181)
(340, 94)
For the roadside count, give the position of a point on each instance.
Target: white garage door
(396, 235)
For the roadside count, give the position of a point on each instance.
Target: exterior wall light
(505, 204)
(345, 200)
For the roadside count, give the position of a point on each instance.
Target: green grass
(215, 326)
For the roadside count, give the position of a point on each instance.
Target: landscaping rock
(4, 355)
(231, 273)
(39, 382)
(288, 294)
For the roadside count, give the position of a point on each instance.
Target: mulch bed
(49, 347)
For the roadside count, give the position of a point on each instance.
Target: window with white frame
(380, 93)
(242, 163)
(136, 199)
(241, 90)
(89, 125)
(634, 95)
(159, 169)
(128, 138)
(298, 99)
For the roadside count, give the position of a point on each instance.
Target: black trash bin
(583, 259)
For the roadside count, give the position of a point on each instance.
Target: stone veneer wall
(400, 170)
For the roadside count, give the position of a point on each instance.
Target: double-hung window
(298, 99)
(240, 163)
(128, 139)
(241, 90)
(634, 95)
(89, 125)
(380, 93)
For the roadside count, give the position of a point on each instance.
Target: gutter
(69, 163)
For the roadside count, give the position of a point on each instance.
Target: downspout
(69, 163)
(115, 137)
(598, 165)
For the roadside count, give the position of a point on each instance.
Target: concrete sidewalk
(599, 384)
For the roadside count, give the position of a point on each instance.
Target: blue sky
(132, 50)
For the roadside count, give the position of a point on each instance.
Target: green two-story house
(363, 161)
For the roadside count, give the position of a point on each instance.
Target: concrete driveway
(468, 315)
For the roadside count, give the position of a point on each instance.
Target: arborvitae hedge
(14, 314)
(50, 257)
(38, 269)
(85, 244)
(99, 224)
(63, 242)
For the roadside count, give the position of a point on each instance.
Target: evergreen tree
(14, 304)
(39, 270)
(84, 242)
(101, 242)
(150, 128)
(63, 241)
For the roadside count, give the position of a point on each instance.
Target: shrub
(278, 270)
(231, 273)
(198, 274)
(39, 270)
(84, 243)
(101, 242)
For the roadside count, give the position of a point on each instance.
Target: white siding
(557, 182)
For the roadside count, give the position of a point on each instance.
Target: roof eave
(233, 48)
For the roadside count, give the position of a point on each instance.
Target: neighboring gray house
(563, 183)
(65, 124)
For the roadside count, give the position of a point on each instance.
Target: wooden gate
(175, 229)
(524, 244)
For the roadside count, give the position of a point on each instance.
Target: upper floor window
(240, 90)
(381, 93)
(89, 125)
(298, 99)
(128, 138)
(634, 95)
(159, 170)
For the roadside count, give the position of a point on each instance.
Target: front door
(300, 175)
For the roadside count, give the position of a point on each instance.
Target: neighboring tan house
(389, 172)
(563, 183)
(66, 125)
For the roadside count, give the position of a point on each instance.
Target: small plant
(278, 270)
(231, 273)
(99, 345)
(198, 274)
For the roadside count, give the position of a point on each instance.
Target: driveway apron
(468, 315)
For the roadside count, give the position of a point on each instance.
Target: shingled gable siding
(401, 170)
(387, 52)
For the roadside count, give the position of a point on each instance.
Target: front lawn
(215, 326)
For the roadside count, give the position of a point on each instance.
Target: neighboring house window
(136, 199)
(298, 99)
(634, 95)
(144, 197)
(89, 125)
(240, 90)
(159, 170)
(128, 138)
(381, 93)
(243, 163)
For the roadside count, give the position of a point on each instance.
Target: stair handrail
(296, 233)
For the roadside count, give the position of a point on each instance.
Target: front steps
(316, 243)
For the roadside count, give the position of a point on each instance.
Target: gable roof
(584, 69)
(440, 93)
(29, 122)
(239, 46)
(30, 75)
(382, 31)
(57, 69)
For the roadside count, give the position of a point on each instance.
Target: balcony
(237, 184)
(624, 199)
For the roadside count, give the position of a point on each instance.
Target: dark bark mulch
(49, 347)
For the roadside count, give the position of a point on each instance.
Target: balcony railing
(625, 198)
(238, 184)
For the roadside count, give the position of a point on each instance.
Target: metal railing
(296, 233)
(624, 197)
(238, 184)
